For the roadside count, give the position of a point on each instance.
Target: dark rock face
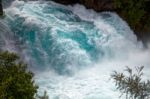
(98, 5)
(1, 8)
(67, 1)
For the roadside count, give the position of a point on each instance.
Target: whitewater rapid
(72, 50)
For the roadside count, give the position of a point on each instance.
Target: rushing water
(72, 50)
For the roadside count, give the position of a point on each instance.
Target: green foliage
(15, 80)
(132, 11)
(132, 84)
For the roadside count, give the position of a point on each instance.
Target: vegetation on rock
(16, 82)
(132, 10)
(132, 84)
(135, 12)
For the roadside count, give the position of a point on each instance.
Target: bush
(131, 10)
(16, 82)
(132, 84)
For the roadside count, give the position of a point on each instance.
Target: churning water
(72, 50)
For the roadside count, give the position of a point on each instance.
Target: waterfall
(72, 50)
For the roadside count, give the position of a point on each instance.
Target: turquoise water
(72, 49)
(56, 37)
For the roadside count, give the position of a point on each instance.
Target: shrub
(132, 84)
(16, 82)
(131, 10)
